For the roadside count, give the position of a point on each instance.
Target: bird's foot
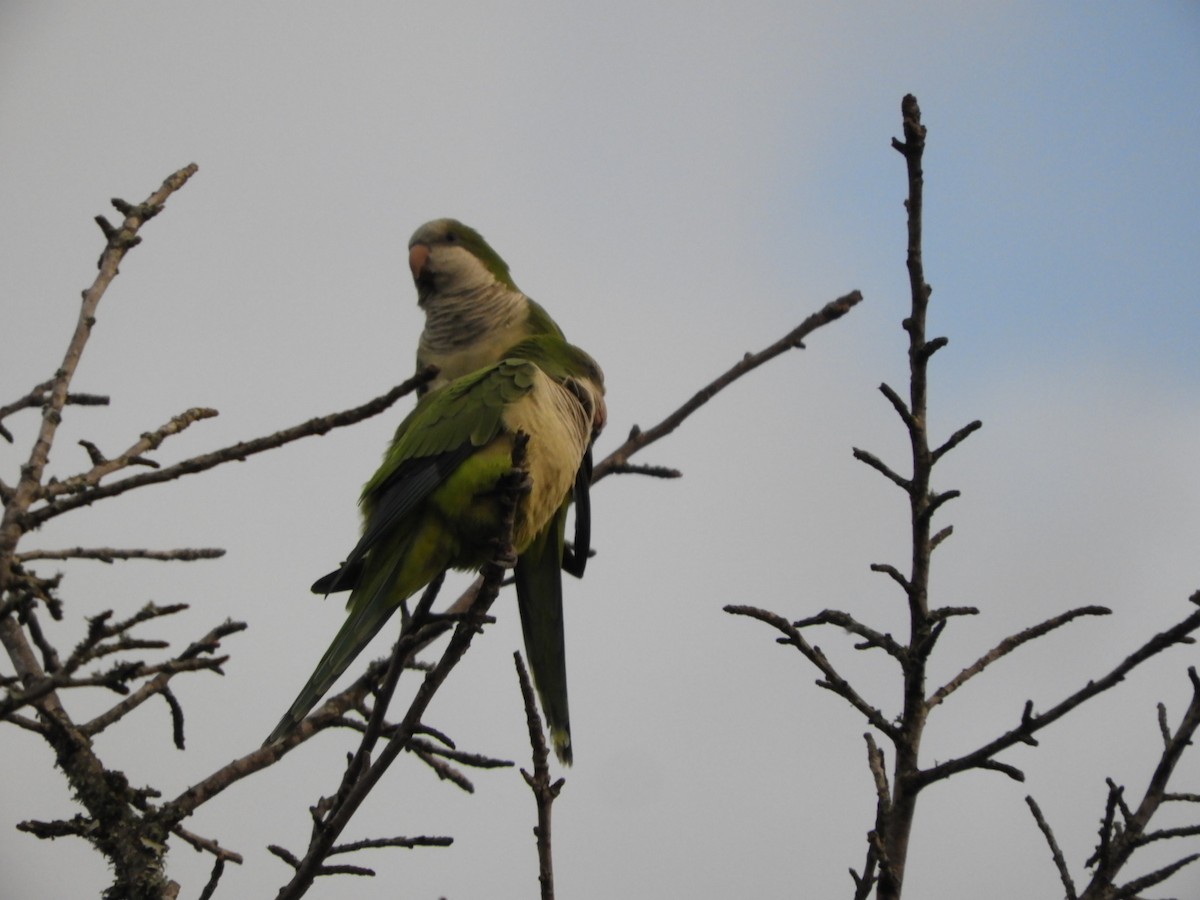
(504, 556)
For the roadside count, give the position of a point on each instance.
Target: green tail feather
(360, 627)
(539, 597)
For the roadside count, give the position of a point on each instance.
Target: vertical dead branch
(895, 828)
(544, 790)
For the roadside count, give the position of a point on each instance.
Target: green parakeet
(474, 312)
(432, 505)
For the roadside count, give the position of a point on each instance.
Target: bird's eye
(451, 238)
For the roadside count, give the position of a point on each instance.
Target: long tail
(361, 626)
(539, 597)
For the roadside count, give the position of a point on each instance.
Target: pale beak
(417, 257)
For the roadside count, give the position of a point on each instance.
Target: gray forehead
(434, 230)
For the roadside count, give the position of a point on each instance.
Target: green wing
(439, 435)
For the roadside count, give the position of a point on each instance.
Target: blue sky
(678, 186)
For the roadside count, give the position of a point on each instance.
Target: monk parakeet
(433, 505)
(474, 312)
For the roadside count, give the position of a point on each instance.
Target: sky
(678, 184)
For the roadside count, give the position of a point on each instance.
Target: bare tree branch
(832, 681)
(189, 660)
(957, 438)
(544, 790)
(1118, 841)
(638, 439)
(238, 452)
(207, 845)
(1009, 644)
(900, 406)
(38, 397)
(111, 554)
(871, 637)
(1133, 889)
(1056, 853)
(210, 887)
(863, 884)
(119, 241)
(115, 822)
(1031, 724)
(881, 467)
(135, 455)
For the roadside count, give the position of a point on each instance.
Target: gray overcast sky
(678, 183)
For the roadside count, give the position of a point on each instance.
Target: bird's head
(448, 257)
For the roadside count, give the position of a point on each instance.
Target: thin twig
(876, 856)
(1133, 889)
(38, 397)
(401, 842)
(1060, 862)
(865, 456)
(871, 637)
(957, 438)
(214, 878)
(1009, 644)
(111, 554)
(207, 845)
(101, 466)
(233, 453)
(189, 660)
(1030, 724)
(833, 681)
